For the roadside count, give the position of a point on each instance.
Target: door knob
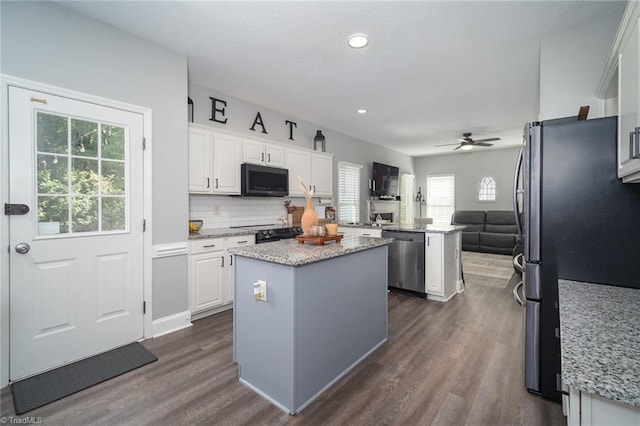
(22, 248)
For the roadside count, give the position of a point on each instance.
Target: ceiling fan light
(361, 111)
(358, 41)
(466, 147)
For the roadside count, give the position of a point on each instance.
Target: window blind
(407, 191)
(349, 180)
(441, 194)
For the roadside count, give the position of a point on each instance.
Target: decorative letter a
(258, 120)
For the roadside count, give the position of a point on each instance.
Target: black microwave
(263, 181)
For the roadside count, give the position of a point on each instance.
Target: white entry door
(76, 258)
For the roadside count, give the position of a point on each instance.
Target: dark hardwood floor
(452, 363)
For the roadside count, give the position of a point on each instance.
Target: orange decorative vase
(309, 218)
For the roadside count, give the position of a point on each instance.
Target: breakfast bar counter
(305, 315)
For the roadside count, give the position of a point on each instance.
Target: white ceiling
(432, 70)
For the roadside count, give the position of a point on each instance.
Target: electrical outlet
(260, 291)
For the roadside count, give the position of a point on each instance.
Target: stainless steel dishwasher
(406, 262)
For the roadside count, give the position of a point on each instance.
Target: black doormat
(43, 389)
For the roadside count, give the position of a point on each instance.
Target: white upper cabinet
(227, 158)
(629, 120)
(200, 161)
(215, 160)
(316, 170)
(299, 164)
(256, 152)
(322, 174)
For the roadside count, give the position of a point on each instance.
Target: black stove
(271, 233)
(277, 234)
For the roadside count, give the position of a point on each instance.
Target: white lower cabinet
(433, 264)
(442, 265)
(360, 232)
(588, 409)
(211, 273)
(238, 241)
(207, 273)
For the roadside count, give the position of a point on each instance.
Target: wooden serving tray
(318, 240)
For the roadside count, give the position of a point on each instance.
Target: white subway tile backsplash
(220, 211)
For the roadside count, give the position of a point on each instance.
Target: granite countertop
(219, 232)
(290, 252)
(438, 229)
(600, 339)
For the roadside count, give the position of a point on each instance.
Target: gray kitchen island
(305, 315)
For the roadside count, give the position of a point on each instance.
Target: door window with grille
(81, 177)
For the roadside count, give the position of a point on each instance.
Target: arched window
(487, 189)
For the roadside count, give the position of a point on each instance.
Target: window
(81, 178)
(441, 194)
(407, 195)
(487, 189)
(349, 176)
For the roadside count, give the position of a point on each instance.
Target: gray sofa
(492, 231)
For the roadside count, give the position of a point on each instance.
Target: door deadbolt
(22, 248)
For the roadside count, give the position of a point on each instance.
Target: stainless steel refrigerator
(577, 221)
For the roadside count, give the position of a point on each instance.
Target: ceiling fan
(467, 143)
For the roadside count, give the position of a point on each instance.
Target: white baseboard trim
(212, 311)
(171, 323)
(440, 298)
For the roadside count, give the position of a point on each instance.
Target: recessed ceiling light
(361, 111)
(358, 41)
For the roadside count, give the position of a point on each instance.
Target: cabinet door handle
(428, 238)
(314, 188)
(268, 158)
(222, 258)
(210, 245)
(262, 156)
(230, 260)
(208, 182)
(243, 242)
(216, 182)
(634, 143)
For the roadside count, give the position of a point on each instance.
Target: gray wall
(469, 168)
(240, 116)
(48, 43)
(571, 64)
